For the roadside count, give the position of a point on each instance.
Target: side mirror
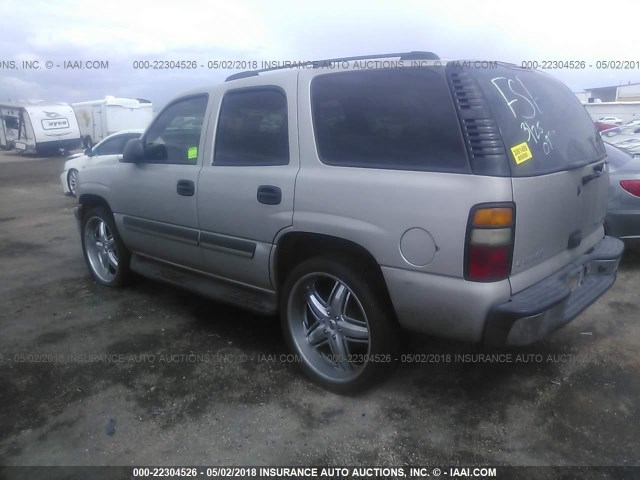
(88, 152)
(133, 151)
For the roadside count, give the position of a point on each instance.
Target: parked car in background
(633, 122)
(457, 202)
(616, 135)
(604, 126)
(623, 211)
(100, 118)
(611, 120)
(107, 151)
(631, 146)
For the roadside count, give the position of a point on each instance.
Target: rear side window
(544, 126)
(115, 146)
(396, 119)
(253, 129)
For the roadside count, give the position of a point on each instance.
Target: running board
(259, 301)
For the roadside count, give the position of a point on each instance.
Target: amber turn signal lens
(492, 217)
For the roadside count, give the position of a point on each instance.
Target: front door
(154, 200)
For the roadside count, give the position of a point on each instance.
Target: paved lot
(151, 375)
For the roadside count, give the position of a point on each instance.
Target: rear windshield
(544, 126)
(617, 157)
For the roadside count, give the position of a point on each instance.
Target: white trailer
(100, 118)
(39, 128)
(9, 125)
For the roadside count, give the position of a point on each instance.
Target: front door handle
(186, 188)
(269, 195)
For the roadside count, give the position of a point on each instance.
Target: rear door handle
(186, 188)
(269, 195)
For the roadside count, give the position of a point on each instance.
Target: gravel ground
(153, 375)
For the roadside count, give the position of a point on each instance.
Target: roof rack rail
(415, 55)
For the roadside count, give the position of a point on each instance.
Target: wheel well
(88, 200)
(296, 247)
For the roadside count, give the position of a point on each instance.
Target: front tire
(105, 254)
(338, 320)
(72, 181)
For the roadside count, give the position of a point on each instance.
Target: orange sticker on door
(521, 153)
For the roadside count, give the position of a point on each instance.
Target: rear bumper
(553, 302)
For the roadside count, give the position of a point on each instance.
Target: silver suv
(356, 196)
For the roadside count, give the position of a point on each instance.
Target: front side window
(174, 137)
(392, 119)
(253, 129)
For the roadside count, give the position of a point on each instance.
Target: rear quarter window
(401, 119)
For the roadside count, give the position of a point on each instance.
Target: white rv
(100, 118)
(38, 128)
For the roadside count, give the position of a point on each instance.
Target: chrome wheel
(72, 180)
(329, 327)
(101, 249)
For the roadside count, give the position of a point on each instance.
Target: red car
(605, 126)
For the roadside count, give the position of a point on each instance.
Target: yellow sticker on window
(521, 153)
(192, 153)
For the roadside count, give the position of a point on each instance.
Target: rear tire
(337, 319)
(105, 254)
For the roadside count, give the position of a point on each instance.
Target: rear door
(556, 160)
(245, 189)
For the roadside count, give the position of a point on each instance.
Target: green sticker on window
(192, 153)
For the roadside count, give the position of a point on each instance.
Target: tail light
(489, 242)
(631, 186)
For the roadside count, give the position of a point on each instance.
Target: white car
(108, 150)
(610, 120)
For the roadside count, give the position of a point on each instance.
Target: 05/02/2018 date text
(580, 64)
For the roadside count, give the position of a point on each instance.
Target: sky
(123, 32)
